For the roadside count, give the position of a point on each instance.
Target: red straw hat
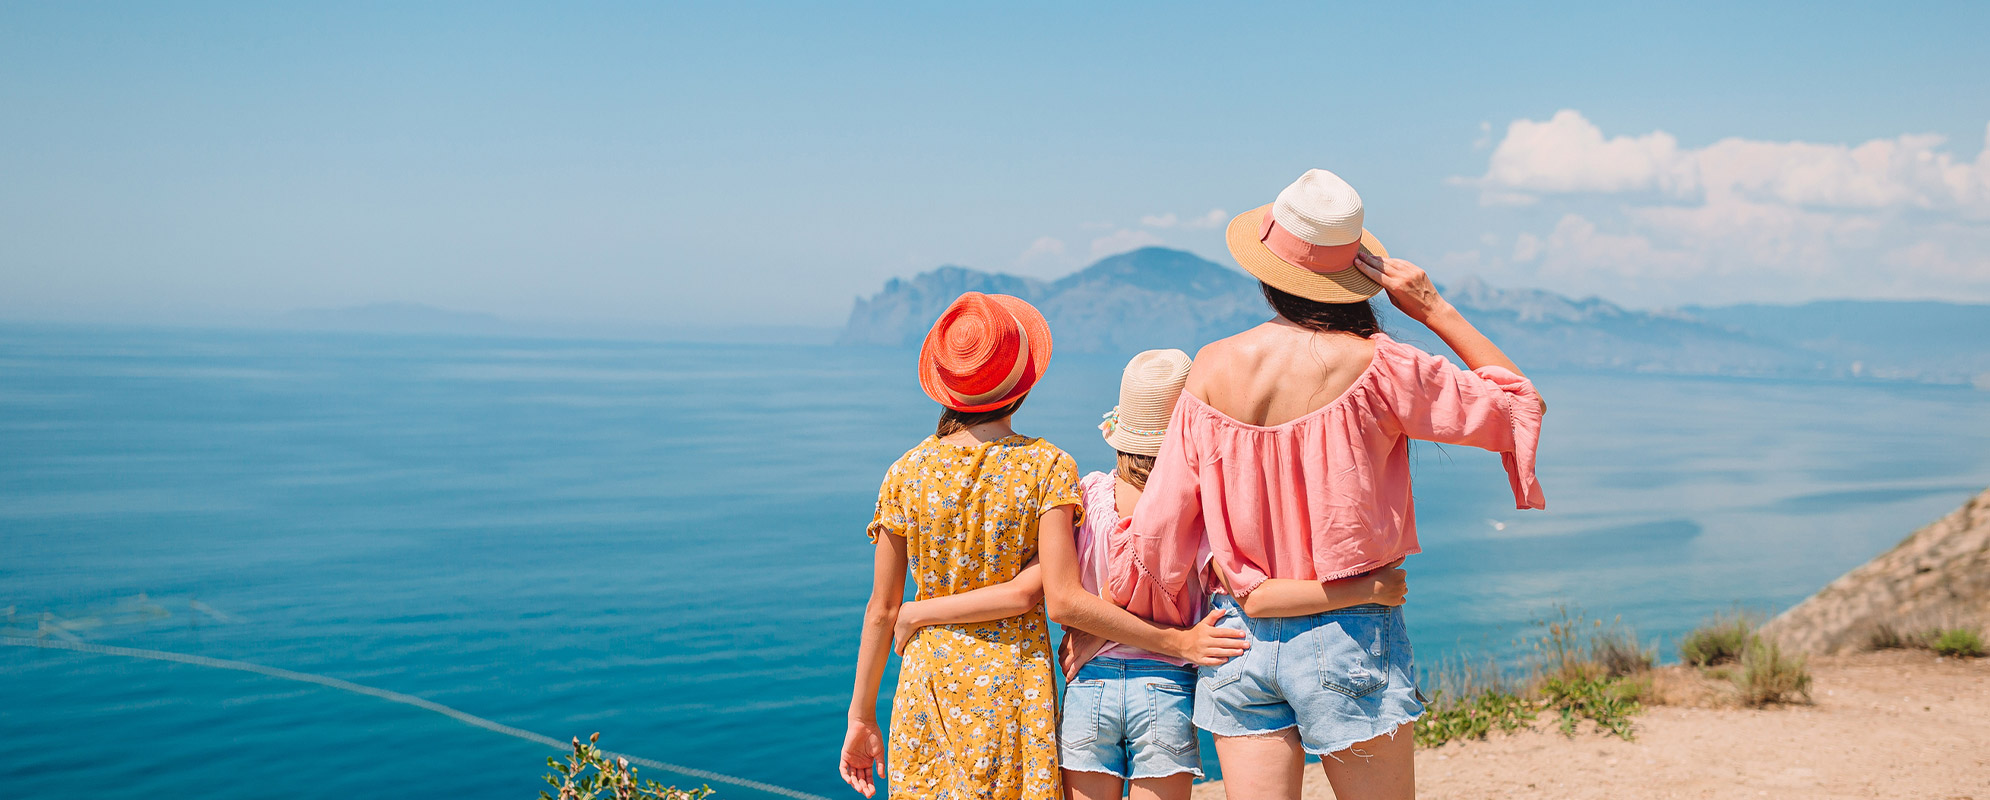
(984, 352)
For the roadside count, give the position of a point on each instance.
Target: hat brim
(1137, 444)
(1034, 327)
(1346, 286)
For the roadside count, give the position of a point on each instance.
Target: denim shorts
(1342, 677)
(1130, 717)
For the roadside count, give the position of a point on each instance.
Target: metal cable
(395, 697)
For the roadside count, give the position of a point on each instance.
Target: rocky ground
(1892, 724)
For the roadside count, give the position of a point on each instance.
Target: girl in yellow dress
(975, 712)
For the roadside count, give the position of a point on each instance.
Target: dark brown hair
(1135, 468)
(952, 422)
(1357, 318)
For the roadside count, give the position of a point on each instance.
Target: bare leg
(1382, 768)
(1267, 766)
(1093, 786)
(1173, 787)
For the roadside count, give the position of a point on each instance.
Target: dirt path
(1895, 724)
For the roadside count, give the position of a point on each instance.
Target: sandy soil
(1900, 724)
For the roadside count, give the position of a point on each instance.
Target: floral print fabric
(975, 713)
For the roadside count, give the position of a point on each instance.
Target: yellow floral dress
(975, 714)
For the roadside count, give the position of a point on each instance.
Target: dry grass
(1719, 640)
(1767, 675)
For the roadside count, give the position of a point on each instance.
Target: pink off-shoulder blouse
(1323, 496)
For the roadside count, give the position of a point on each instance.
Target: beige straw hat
(1304, 242)
(1147, 392)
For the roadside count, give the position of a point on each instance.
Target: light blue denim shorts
(1130, 717)
(1342, 677)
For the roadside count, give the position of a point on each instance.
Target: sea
(664, 543)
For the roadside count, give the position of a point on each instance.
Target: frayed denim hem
(1177, 771)
(1328, 752)
(1215, 732)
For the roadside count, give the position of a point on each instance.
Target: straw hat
(1304, 242)
(1147, 392)
(985, 351)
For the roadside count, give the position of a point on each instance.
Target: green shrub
(1958, 643)
(1582, 671)
(1446, 718)
(1608, 702)
(1718, 641)
(590, 773)
(1766, 675)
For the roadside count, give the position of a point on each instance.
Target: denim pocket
(1080, 725)
(1354, 652)
(1168, 722)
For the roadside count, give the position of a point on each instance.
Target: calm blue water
(665, 543)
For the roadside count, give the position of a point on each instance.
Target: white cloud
(1214, 218)
(1577, 246)
(1043, 247)
(1646, 221)
(1569, 154)
(1122, 240)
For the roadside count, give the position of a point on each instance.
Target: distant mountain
(1156, 297)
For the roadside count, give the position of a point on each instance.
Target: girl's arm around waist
(1072, 606)
(1009, 598)
(1292, 597)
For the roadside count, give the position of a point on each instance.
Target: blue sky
(747, 163)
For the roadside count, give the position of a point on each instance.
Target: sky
(756, 163)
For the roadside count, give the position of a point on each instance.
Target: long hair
(1135, 468)
(952, 422)
(1357, 318)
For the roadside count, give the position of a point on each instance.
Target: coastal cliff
(1937, 576)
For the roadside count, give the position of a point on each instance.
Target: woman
(1287, 457)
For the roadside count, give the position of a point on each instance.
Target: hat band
(1320, 258)
(1008, 383)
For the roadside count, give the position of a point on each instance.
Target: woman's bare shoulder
(1221, 356)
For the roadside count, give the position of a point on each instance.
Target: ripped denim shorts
(1342, 677)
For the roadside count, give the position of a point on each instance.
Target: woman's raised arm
(1490, 405)
(1413, 293)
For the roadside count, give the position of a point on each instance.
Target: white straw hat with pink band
(1148, 390)
(1304, 242)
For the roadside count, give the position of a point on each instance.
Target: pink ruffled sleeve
(1153, 561)
(1489, 408)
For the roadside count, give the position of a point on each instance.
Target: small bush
(1766, 675)
(590, 773)
(1581, 668)
(1470, 700)
(1718, 641)
(1608, 702)
(1471, 717)
(1888, 636)
(1618, 652)
(1958, 643)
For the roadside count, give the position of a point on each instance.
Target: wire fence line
(394, 697)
